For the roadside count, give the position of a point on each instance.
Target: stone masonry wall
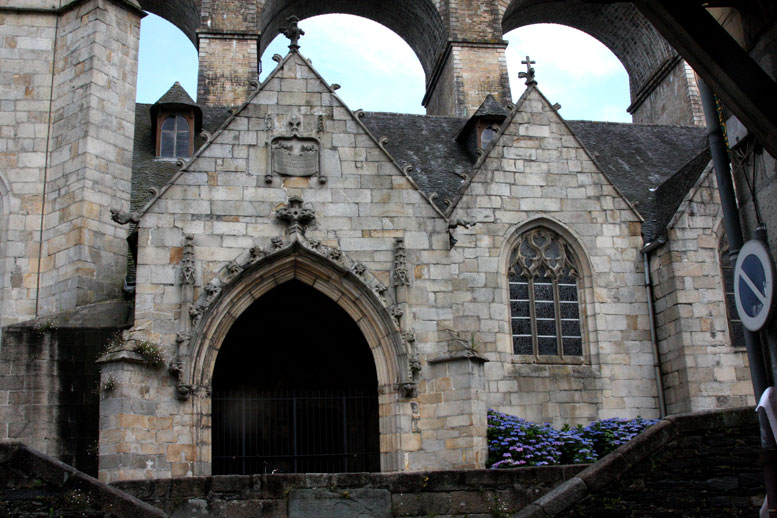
(89, 168)
(26, 60)
(227, 64)
(700, 368)
(707, 467)
(33, 484)
(49, 389)
(459, 494)
(225, 201)
(538, 172)
(675, 100)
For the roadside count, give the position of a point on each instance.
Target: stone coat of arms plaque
(295, 156)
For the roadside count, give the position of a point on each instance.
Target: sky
(379, 72)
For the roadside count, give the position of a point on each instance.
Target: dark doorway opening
(295, 389)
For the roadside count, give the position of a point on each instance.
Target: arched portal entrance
(295, 389)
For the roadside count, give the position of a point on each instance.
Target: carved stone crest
(295, 156)
(295, 215)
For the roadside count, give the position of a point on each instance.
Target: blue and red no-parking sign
(754, 285)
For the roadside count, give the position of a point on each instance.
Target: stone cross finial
(296, 216)
(529, 74)
(293, 32)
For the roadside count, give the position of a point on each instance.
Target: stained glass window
(544, 301)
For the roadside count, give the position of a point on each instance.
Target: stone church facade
(490, 256)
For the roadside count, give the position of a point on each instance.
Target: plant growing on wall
(152, 355)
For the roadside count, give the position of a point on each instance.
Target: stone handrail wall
(379, 495)
(34, 484)
(700, 464)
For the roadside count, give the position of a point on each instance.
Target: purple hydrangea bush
(513, 442)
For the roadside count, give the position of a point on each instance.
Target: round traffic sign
(754, 285)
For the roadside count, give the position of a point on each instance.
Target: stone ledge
(610, 468)
(17, 457)
(457, 356)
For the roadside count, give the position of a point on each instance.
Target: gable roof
(427, 143)
(653, 166)
(176, 95)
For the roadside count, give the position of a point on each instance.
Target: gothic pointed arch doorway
(295, 389)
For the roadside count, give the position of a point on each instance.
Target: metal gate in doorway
(295, 431)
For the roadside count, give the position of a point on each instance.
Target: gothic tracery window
(544, 297)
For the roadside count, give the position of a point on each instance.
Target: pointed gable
(295, 132)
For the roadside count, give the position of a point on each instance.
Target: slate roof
(429, 144)
(637, 158)
(653, 166)
(176, 95)
(491, 108)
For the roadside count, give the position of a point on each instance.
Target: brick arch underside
(620, 27)
(184, 14)
(342, 287)
(418, 22)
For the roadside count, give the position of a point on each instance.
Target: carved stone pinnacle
(293, 32)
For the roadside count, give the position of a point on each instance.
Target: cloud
(564, 49)
(378, 71)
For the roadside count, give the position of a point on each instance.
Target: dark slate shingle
(428, 143)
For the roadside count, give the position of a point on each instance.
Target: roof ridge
(420, 115)
(638, 124)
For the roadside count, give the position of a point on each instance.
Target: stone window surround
(584, 292)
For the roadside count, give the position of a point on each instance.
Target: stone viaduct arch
(451, 41)
(647, 57)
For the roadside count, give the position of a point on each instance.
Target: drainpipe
(728, 202)
(652, 316)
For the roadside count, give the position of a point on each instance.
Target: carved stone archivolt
(293, 241)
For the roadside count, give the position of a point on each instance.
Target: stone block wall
(26, 61)
(700, 368)
(673, 100)
(227, 64)
(90, 164)
(227, 198)
(49, 383)
(34, 484)
(471, 72)
(537, 174)
(458, 494)
(66, 122)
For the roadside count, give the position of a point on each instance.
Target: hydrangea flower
(514, 442)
